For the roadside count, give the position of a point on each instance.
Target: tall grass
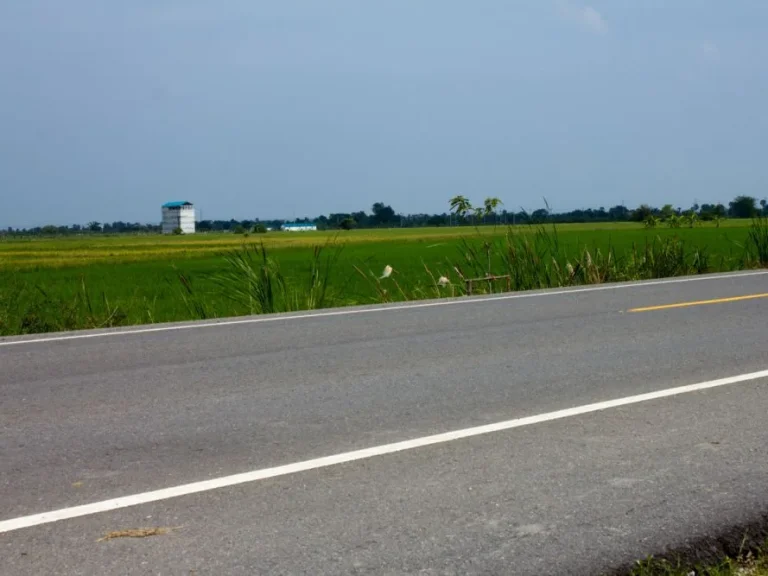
(33, 309)
(750, 559)
(252, 279)
(398, 288)
(757, 240)
(538, 260)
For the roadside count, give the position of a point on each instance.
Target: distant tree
(362, 220)
(618, 213)
(673, 221)
(461, 206)
(641, 213)
(335, 219)
(259, 228)
(539, 215)
(667, 211)
(178, 231)
(49, 230)
(707, 212)
(239, 229)
(490, 205)
(742, 207)
(764, 206)
(382, 214)
(348, 223)
(436, 220)
(94, 226)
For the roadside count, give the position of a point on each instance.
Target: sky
(296, 108)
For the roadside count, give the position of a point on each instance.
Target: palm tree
(461, 206)
(491, 204)
(651, 221)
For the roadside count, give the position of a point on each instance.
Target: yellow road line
(700, 303)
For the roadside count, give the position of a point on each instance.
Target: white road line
(263, 474)
(409, 306)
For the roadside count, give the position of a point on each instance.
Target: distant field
(62, 283)
(75, 251)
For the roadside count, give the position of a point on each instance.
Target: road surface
(306, 444)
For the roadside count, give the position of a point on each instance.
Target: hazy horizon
(296, 108)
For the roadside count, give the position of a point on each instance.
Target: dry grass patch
(137, 533)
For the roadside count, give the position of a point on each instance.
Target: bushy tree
(539, 215)
(641, 213)
(348, 224)
(382, 214)
(742, 207)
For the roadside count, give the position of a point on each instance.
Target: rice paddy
(50, 284)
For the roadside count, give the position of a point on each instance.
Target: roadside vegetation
(744, 563)
(93, 282)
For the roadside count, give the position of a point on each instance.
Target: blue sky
(296, 108)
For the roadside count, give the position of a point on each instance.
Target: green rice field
(51, 284)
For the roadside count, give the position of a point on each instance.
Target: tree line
(461, 212)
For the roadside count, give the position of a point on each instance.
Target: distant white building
(298, 227)
(178, 215)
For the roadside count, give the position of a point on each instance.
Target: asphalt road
(123, 413)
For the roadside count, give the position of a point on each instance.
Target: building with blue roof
(298, 227)
(178, 215)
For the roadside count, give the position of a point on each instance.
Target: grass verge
(752, 563)
(735, 551)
